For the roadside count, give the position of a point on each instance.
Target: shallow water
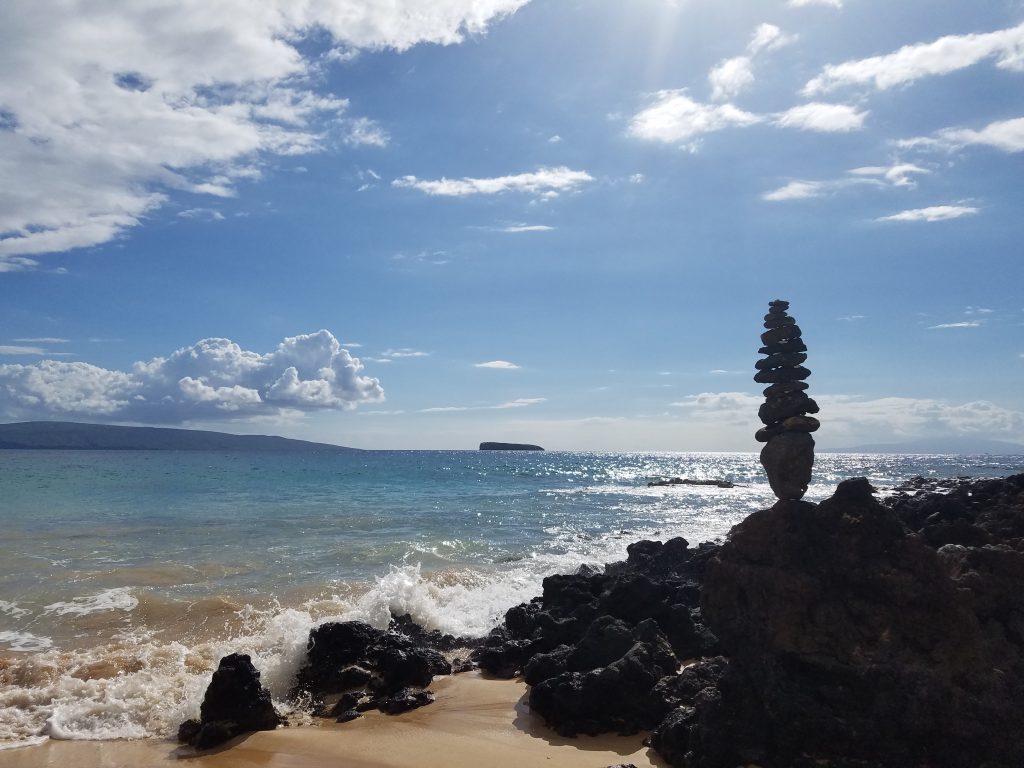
(124, 576)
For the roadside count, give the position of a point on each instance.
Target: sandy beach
(474, 721)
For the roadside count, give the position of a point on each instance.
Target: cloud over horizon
(214, 378)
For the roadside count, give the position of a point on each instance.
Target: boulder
(788, 458)
(235, 703)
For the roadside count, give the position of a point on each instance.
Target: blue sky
(424, 225)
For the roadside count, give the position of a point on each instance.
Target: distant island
(509, 447)
(72, 436)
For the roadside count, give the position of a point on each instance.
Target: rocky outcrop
(352, 667)
(861, 643)
(235, 703)
(595, 645)
(788, 454)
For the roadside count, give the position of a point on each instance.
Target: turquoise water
(125, 575)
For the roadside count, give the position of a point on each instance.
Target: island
(68, 436)
(509, 447)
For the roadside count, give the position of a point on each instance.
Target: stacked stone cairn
(788, 454)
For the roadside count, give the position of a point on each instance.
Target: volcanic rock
(235, 703)
(788, 459)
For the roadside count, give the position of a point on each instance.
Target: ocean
(126, 575)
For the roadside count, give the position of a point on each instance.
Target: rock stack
(788, 454)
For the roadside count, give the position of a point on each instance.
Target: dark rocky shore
(854, 633)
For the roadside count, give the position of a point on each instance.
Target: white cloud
(395, 354)
(503, 365)
(556, 139)
(851, 318)
(365, 132)
(674, 117)
(519, 402)
(43, 340)
(804, 3)
(637, 178)
(849, 418)
(213, 378)
(939, 57)
(798, 190)
(209, 214)
(1005, 135)
(545, 181)
(898, 174)
(513, 228)
(21, 350)
(768, 37)
(111, 107)
(731, 76)
(932, 213)
(961, 324)
(827, 118)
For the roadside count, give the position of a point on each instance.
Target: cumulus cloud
(212, 379)
(932, 213)
(547, 182)
(503, 365)
(827, 118)
(675, 118)
(912, 62)
(1005, 135)
(731, 76)
(108, 108)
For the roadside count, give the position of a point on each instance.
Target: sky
(402, 224)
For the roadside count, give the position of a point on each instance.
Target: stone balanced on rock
(788, 454)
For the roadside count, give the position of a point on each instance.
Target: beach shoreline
(475, 720)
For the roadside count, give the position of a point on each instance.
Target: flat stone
(782, 374)
(778, 409)
(778, 321)
(788, 459)
(784, 347)
(784, 388)
(779, 304)
(788, 360)
(801, 423)
(775, 335)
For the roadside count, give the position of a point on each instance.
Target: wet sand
(474, 722)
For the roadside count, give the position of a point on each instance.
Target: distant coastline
(74, 436)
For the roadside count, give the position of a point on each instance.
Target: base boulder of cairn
(788, 454)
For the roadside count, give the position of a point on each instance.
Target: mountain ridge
(70, 435)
